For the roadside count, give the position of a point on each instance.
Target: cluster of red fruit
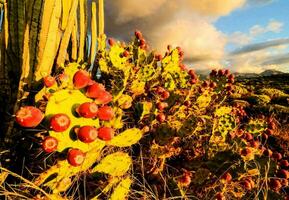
(29, 116)
(248, 183)
(282, 174)
(193, 76)
(239, 111)
(140, 40)
(161, 105)
(222, 76)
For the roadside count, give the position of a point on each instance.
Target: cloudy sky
(243, 35)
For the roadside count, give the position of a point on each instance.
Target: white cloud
(274, 26)
(240, 38)
(204, 42)
(258, 61)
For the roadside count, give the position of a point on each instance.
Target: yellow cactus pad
(65, 101)
(224, 110)
(3, 176)
(116, 60)
(125, 101)
(127, 138)
(64, 170)
(122, 190)
(116, 164)
(203, 101)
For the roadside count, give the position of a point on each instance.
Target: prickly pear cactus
(64, 98)
(190, 131)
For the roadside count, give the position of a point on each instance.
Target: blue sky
(257, 24)
(253, 14)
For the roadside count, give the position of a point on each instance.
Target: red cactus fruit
(182, 66)
(29, 116)
(59, 122)
(105, 113)
(158, 57)
(231, 81)
(125, 53)
(227, 72)
(105, 133)
(245, 151)
(269, 131)
(49, 81)
(254, 144)
(161, 117)
(142, 42)
(87, 110)
(275, 184)
(192, 73)
(213, 73)
(229, 88)
(220, 196)
(93, 90)
(227, 177)
(193, 81)
(285, 182)
(187, 103)
(165, 94)
(81, 79)
(248, 136)
(103, 97)
(247, 184)
(49, 144)
(221, 72)
(277, 155)
(185, 179)
(75, 157)
(160, 90)
(179, 49)
(284, 163)
(213, 85)
(111, 41)
(205, 84)
(87, 134)
(283, 174)
(231, 76)
(271, 125)
(138, 35)
(267, 153)
(162, 105)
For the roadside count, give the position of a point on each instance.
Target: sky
(241, 35)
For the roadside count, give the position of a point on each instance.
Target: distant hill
(271, 72)
(246, 75)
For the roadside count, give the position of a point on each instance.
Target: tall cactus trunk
(35, 40)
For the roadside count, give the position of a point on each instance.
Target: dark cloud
(277, 60)
(260, 46)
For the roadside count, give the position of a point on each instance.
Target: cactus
(64, 98)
